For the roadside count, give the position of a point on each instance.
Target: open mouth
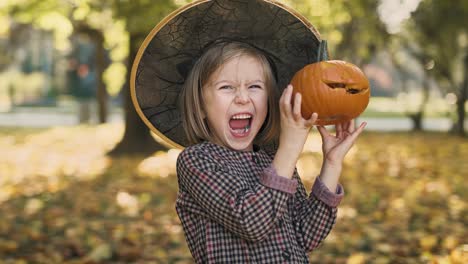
(240, 123)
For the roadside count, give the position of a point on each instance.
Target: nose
(242, 96)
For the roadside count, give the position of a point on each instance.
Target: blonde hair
(195, 126)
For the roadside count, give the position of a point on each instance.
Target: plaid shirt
(234, 208)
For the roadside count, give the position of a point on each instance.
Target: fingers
(345, 129)
(339, 130)
(350, 126)
(353, 136)
(359, 129)
(285, 101)
(281, 100)
(294, 111)
(311, 121)
(297, 107)
(323, 132)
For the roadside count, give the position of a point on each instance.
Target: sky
(394, 12)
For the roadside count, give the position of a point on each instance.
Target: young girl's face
(236, 102)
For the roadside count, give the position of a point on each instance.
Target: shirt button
(287, 255)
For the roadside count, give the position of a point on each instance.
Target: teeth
(242, 116)
(244, 130)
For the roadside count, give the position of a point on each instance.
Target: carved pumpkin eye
(343, 86)
(353, 90)
(337, 90)
(336, 85)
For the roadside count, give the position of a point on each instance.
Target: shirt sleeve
(270, 178)
(250, 212)
(315, 215)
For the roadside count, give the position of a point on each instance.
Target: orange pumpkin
(336, 90)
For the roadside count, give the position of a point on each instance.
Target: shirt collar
(256, 149)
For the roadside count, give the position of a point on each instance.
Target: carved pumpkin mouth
(339, 85)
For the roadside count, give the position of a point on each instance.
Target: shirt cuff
(321, 192)
(271, 179)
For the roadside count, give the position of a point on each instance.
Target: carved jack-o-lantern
(336, 90)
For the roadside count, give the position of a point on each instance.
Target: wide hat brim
(169, 51)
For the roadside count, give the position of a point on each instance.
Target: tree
(140, 17)
(439, 29)
(92, 18)
(352, 28)
(402, 51)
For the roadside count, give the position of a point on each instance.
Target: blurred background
(82, 180)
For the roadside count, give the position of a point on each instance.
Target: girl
(237, 202)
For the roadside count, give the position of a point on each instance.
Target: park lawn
(63, 201)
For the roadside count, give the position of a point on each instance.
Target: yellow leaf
(428, 242)
(357, 258)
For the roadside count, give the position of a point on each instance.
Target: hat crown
(171, 49)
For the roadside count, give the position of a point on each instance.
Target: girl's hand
(294, 128)
(335, 147)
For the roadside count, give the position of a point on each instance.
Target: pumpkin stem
(322, 54)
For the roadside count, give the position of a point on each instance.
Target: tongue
(238, 123)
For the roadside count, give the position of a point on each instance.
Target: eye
(225, 87)
(256, 86)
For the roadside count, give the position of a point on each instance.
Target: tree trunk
(417, 117)
(101, 93)
(460, 125)
(416, 120)
(137, 138)
(461, 99)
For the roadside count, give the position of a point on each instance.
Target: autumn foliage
(63, 201)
